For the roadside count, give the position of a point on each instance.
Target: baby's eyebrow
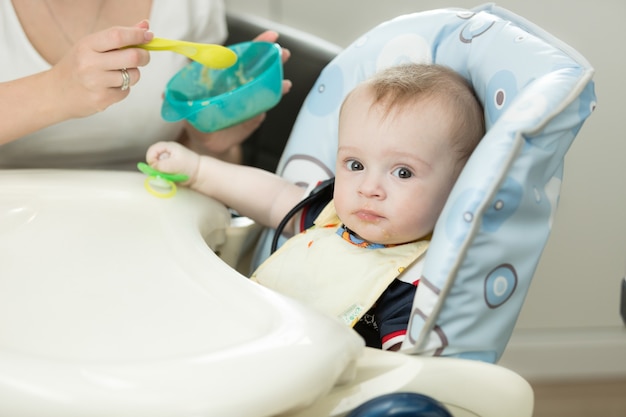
(414, 159)
(353, 151)
(348, 152)
(344, 148)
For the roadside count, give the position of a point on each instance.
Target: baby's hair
(400, 85)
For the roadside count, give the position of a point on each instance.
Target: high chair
(537, 92)
(115, 303)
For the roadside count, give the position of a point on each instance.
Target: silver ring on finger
(125, 79)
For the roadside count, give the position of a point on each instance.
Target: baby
(404, 136)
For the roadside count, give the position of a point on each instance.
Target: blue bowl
(212, 99)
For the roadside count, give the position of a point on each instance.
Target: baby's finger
(157, 152)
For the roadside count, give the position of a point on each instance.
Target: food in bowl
(213, 99)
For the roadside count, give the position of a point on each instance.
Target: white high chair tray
(112, 304)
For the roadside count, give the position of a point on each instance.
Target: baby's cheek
(419, 224)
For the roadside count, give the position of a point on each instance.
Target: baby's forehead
(365, 95)
(362, 103)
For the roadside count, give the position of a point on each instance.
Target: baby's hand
(173, 158)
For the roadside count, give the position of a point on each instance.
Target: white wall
(570, 325)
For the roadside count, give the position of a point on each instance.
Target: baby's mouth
(369, 216)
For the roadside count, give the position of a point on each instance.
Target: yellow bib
(341, 279)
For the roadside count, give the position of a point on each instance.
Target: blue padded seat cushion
(536, 92)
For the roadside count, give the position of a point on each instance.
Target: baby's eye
(402, 172)
(354, 165)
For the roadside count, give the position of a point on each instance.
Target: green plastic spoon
(209, 55)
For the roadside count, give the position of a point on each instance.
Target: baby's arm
(261, 195)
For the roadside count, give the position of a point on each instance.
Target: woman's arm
(85, 81)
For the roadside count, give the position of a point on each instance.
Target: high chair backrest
(536, 92)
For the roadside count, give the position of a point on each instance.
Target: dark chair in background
(309, 55)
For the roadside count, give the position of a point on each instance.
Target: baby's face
(394, 172)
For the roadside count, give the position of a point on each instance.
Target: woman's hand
(224, 144)
(271, 36)
(89, 77)
(85, 81)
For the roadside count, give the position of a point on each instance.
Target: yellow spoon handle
(210, 55)
(162, 44)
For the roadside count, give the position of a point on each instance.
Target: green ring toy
(160, 184)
